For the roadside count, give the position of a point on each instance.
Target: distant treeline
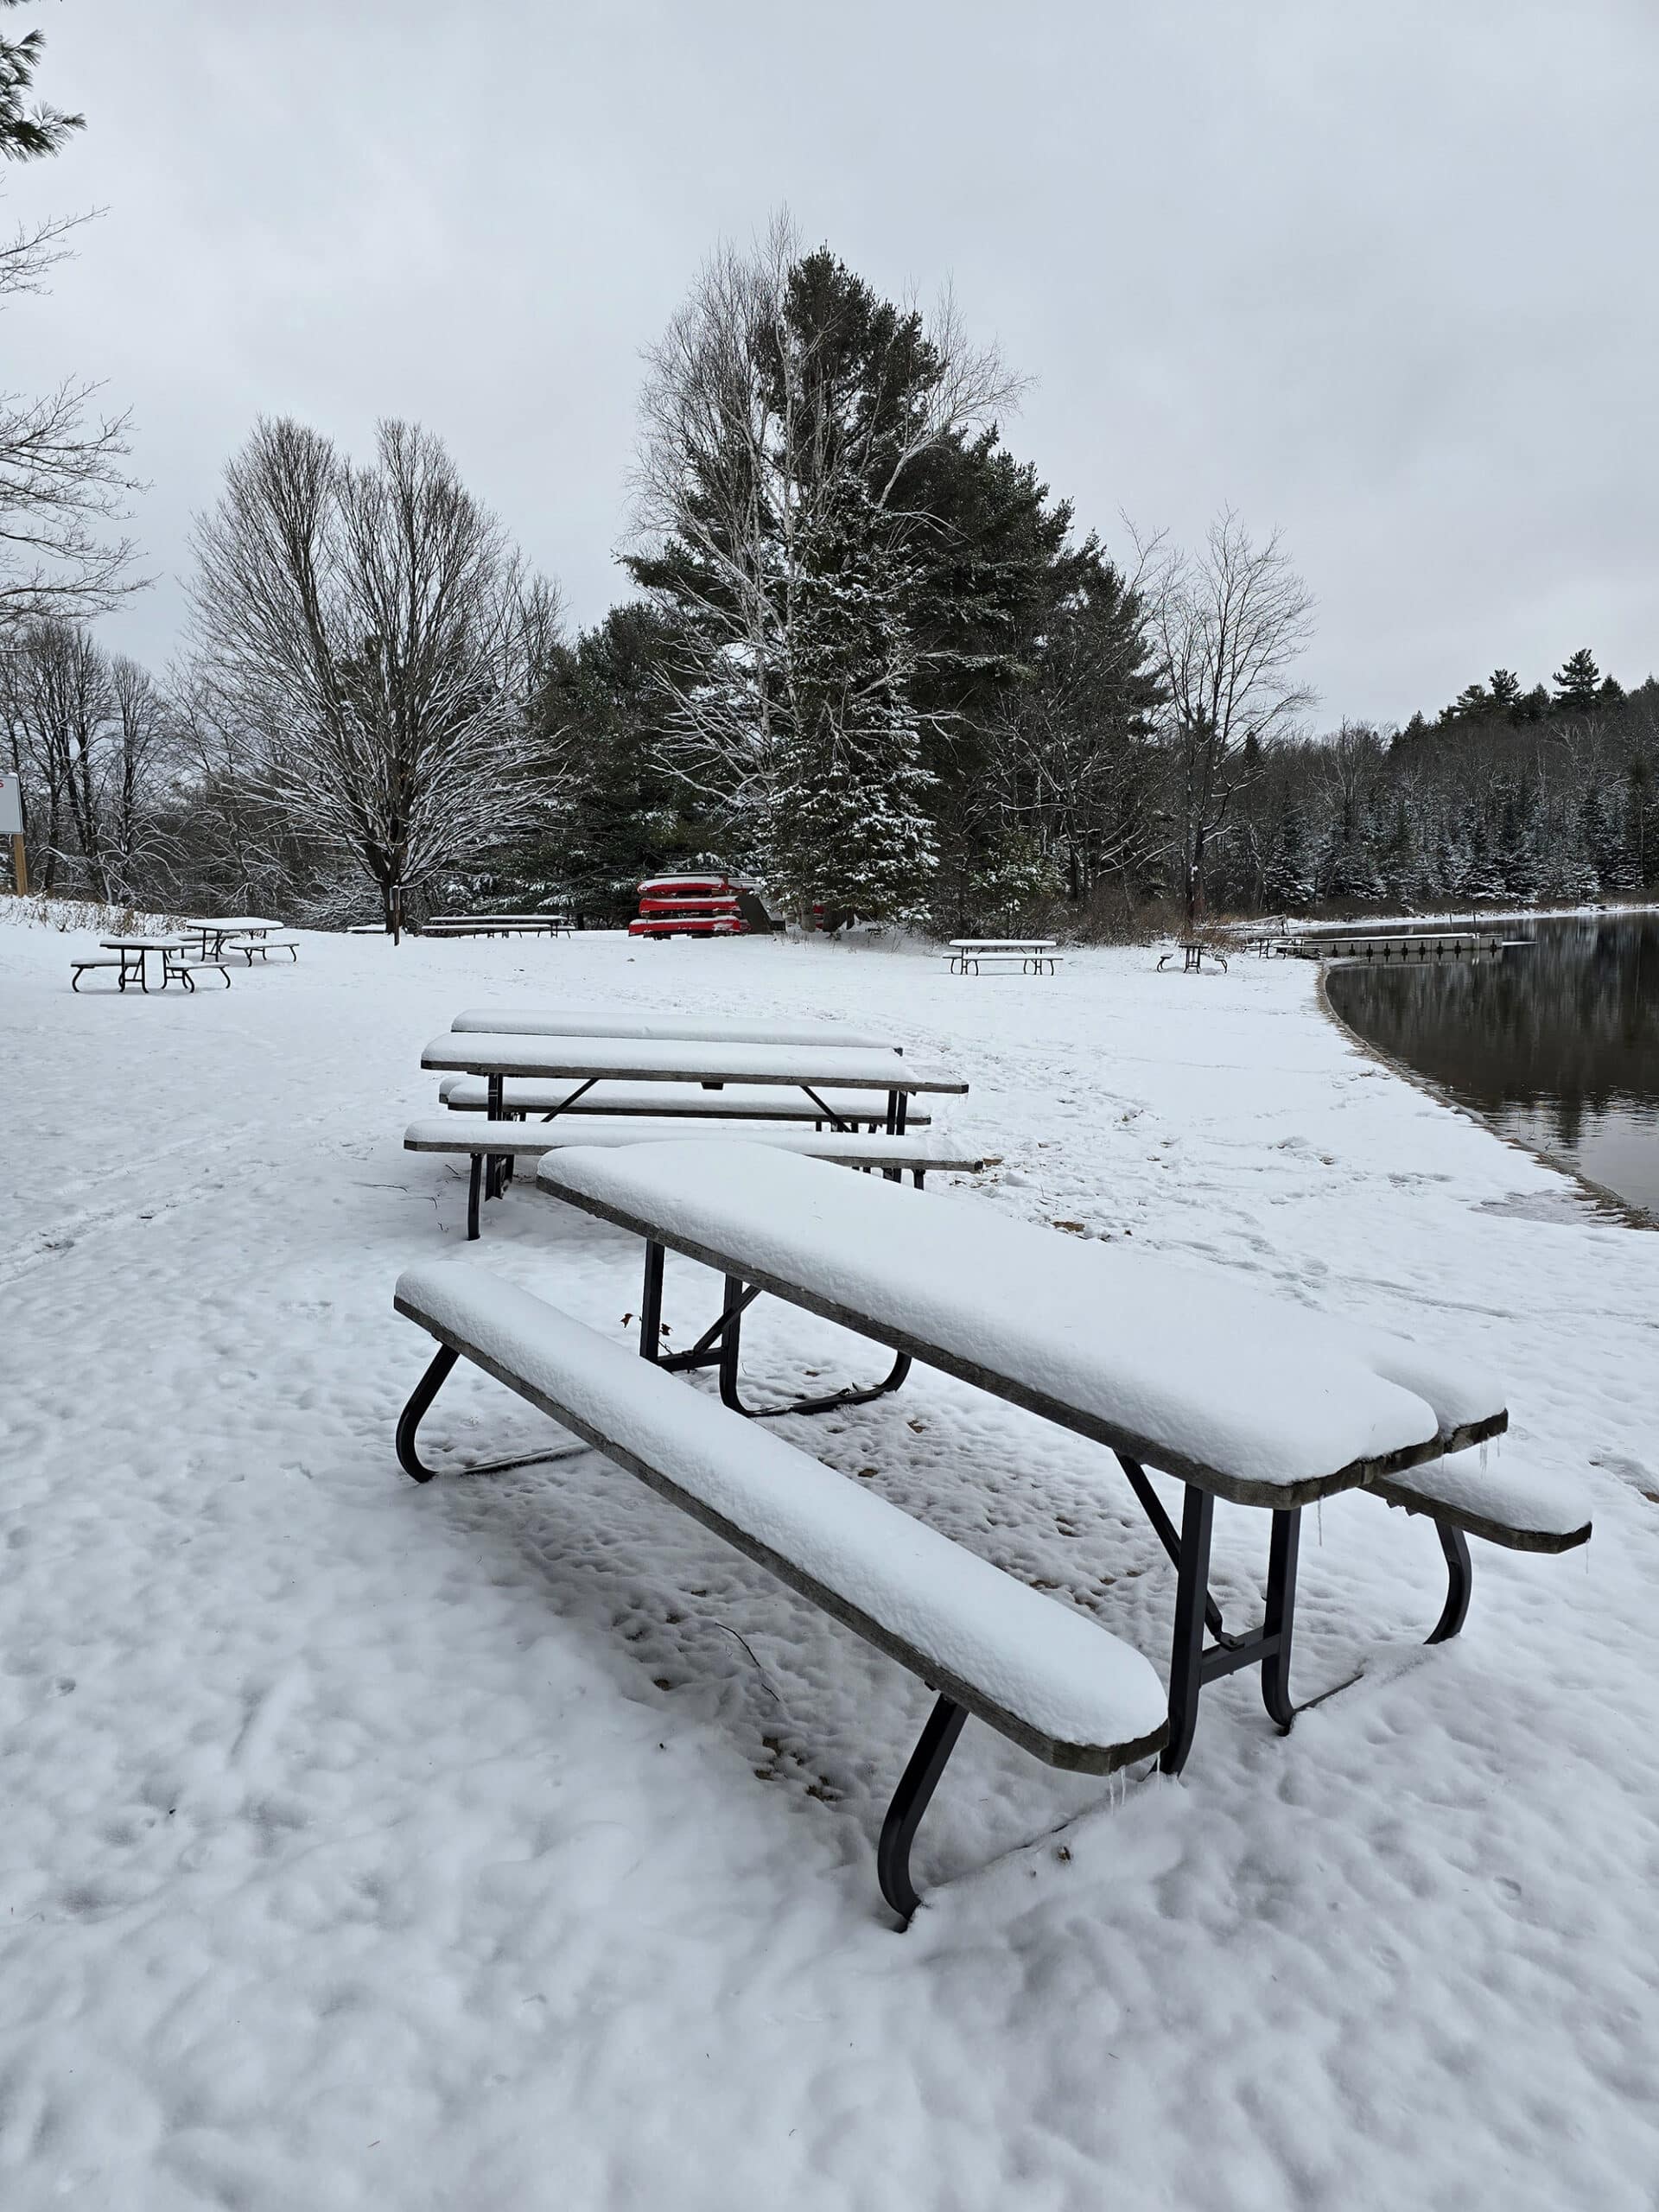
(867, 660)
(1507, 795)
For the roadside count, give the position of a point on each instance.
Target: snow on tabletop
(1038, 1660)
(618, 1022)
(1252, 1387)
(689, 1058)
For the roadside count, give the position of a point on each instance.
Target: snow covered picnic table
(585, 1061)
(1236, 1394)
(1192, 952)
(714, 1062)
(213, 933)
(1033, 954)
(500, 925)
(132, 963)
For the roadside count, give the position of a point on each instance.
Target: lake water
(1557, 1046)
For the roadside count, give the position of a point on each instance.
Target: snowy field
(507, 1844)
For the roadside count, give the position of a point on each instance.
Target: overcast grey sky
(1384, 276)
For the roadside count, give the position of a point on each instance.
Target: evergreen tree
(1451, 866)
(1287, 880)
(1576, 682)
(1518, 841)
(1480, 875)
(850, 831)
(1639, 863)
(1471, 703)
(1400, 860)
(1505, 689)
(25, 132)
(1349, 871)
(1599, 839)
(601, 720)
(1629, 873)
(1569, 874)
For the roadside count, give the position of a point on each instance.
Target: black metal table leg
(838, 1122)
(437, 1374)
(494, 1111)
(1459, 1583)
(1192, 1662)
(651, 1304)
(1281, 1617)
(1164, 1529)
(415, 1413)
(731, 1338)
(910, 1801)
(738, 1298)
(1186, 1649)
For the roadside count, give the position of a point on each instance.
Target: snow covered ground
(507, 1844)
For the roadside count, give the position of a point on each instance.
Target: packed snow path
(505, 1844)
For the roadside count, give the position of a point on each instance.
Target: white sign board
(11, 806)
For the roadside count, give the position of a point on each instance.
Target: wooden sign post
(11, 824)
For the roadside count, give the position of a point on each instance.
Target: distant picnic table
(1192, 952)
(132, 958)
(213, 931)
(1030, 955)
(499, 925)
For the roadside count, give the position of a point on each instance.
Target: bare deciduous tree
(373, 625)
(63, 478)
(57, 699)
(1231, 624)
(93, 740)
(141, 758)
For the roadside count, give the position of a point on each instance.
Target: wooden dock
(1404, 946)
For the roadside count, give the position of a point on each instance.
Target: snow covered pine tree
(850, 829)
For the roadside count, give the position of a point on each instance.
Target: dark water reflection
(1558, 1046)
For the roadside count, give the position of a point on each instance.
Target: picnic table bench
(733, 1101)
(878, 1153)
(263, 945)
(1030, 955)
(1070, 1692)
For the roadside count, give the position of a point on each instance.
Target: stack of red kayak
(688, 905)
